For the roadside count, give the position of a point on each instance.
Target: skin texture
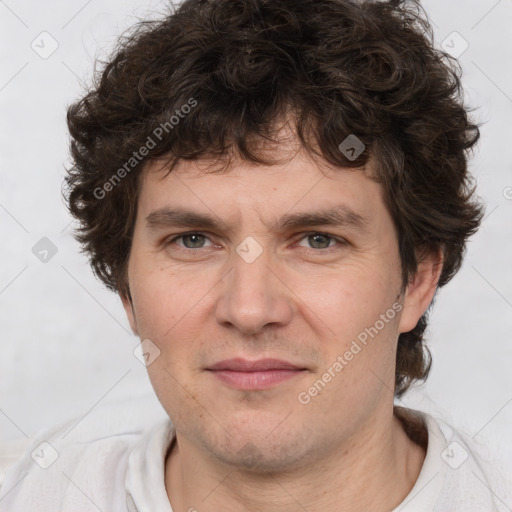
(302, 300)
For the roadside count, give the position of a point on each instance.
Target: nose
(253, 296)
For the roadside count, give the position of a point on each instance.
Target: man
(276, 190)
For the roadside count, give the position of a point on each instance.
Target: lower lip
(255, 380)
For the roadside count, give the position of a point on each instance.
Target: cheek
(361, 312)
(351, 299)
(164, 299)
(358, 368)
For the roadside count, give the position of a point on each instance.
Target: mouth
(254, 375)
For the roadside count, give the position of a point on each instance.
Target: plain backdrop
(65, 342)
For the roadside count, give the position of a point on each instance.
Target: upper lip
(244, 365)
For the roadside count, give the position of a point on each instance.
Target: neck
(374, 470)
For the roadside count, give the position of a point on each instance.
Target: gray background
(66, 345)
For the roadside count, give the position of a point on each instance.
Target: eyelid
(178, 236)
(303, 235)
(339, 239)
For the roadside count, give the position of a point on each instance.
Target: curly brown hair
(343, 67)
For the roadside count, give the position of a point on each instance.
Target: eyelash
(340, 241)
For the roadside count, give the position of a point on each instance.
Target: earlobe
(421, 290)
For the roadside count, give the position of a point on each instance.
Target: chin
(261, 450)
(256, 458)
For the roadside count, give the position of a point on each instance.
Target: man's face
(252, 288)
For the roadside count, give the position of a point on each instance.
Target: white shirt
(108, 466)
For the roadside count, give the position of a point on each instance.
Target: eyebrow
(184, 218)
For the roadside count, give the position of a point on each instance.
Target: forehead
(298, 192)
(295, 173)
(298, 179)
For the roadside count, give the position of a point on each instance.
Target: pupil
(316, 237)
(191, 237)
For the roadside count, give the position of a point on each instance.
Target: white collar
(425, 492)
(145, 478)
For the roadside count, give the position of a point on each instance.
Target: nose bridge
(252, 295)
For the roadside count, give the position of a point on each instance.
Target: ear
(130, 313)
(421, 290)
